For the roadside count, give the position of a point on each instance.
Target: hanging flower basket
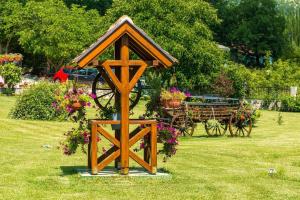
(76, 105)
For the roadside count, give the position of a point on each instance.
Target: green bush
(11, 74)
(290, 104)
(36, 103)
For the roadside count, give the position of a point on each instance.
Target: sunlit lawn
(204, 168)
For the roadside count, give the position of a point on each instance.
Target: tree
(51, 29)
(9, 20)
(253, 26)
(100, 5)
(181, 27)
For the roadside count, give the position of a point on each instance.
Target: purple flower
(92, 95)
(174, 89)
(142, 145)
(69, 109)
(187, 94)
(54, 104)
(88, 104)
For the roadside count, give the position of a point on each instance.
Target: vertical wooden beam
(153, 148)
(117, 56)
(124, 106)
(94, 149)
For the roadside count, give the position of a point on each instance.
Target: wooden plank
(108, 160)
(124, 106)
(113, 77)
(94, 149)
(137, 75)
(100, 49)
(113, 63)
(153, 148)
(148, 47)
(139, 135)
(107, 153)
(132, 121)
(139, 161)
(109, 136)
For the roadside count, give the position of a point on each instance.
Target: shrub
(36, 103)
(11, 74)
(290, 104)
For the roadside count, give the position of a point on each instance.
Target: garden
(170, 99)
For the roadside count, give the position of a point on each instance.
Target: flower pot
(171, 103)
(242, 117)
(76, 105)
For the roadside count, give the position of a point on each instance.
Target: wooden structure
(217, 118)
(121, 75)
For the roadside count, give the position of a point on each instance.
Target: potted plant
(172, 98)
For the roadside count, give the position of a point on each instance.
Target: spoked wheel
(240, 123)
(215, 129)
(184, 125)
(105, 91)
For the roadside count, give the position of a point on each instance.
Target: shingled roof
(139, 42)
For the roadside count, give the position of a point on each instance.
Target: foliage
(51, 29)
(264, 83)
(35, 103)
(74, 101)
(253, 25)
(290, 104)
(183, 28)
(169, 137)
(100, 5)
(154, 81)
(11, 74)
(223, 86)
(9, 23)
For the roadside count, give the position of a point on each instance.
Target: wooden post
(94, 149)
(125, 106)
(117, 56)
(154, 148)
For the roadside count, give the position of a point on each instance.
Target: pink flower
(174, 89)
(142, 145)
(187, 94)
(92, 95)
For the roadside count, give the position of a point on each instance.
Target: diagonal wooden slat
(113, 77)
(137, 75)
(139, 135)
(107, 153)
(108, 160)
(108, 136)
(107, 79)
(140, 161)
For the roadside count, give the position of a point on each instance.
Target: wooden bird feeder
(122, 78)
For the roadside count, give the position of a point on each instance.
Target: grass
(204, 168)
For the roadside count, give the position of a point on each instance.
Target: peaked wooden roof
(139, 42)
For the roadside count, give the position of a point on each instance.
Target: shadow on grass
(71, 170)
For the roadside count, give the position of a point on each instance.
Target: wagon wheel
(184, 124)
(240, 123)
(217, 129)
(105, 91)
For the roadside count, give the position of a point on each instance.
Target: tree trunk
(7, 45)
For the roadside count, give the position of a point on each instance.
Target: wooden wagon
(217, 118)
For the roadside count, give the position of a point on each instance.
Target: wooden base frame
(146, 130)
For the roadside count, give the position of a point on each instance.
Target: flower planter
(171, 103)
(76, 105)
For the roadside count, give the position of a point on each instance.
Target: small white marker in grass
(272, 171)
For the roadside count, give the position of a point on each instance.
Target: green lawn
(204, 168)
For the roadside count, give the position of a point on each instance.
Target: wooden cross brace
(146, 130)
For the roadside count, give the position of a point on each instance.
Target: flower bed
(11, 58)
